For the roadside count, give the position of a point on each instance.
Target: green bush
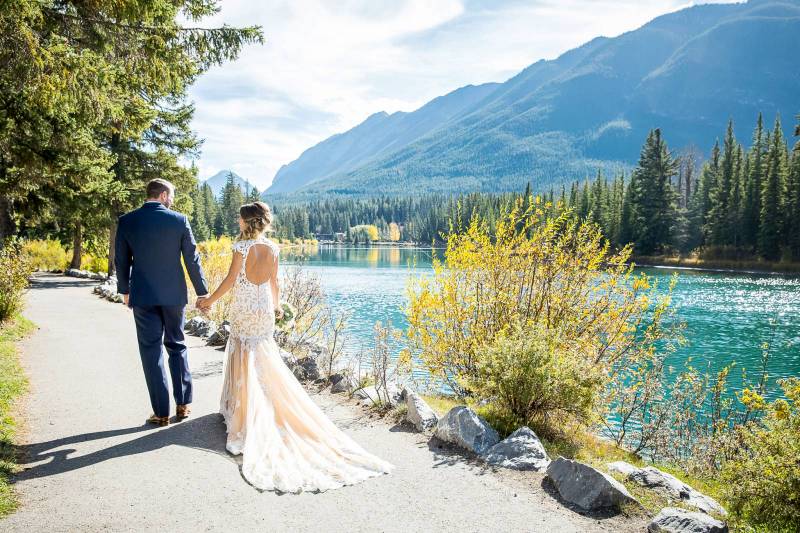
(15, 267)
(763, 480)
(534, 378)
(94, 263)
(46, 254)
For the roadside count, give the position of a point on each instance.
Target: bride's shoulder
(272, 244)
(240, 245)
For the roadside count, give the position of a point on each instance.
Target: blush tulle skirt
(287, 442)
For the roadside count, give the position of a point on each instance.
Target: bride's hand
(203, 303)
(278, 313)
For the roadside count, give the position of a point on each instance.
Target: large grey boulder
(522, 450)
(193, 324)
(345, 383)
(419, 413)
(372, 395)
(622, 468)
(674, 520)
(306, 369)
(220, 336)
(587, 487)
(463, 427)
(669, 486)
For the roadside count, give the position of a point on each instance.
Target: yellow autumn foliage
(550, 277)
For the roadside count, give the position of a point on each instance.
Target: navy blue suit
(149, 245)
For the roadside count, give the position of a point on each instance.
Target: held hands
(204, 304)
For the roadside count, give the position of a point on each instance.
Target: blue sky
(327, 65)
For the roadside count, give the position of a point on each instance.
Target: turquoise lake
(727, 316)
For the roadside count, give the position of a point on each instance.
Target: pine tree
(756, 157)
(654, 199)
(231, 200)
(200, 226)
(792, 210)
(769, 244)
(719, 215)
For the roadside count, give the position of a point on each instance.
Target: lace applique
(252, 310)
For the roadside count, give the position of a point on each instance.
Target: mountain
(380, 134)
(217, 181)
(686, 72)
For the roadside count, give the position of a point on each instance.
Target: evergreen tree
(719, 215)
(200, 225)
(231, 200)
(792, 210)
(755, 163)
(653, 198)
(769, 244)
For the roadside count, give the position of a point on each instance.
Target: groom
(149, 244)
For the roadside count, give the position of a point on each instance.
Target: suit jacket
(148, 248)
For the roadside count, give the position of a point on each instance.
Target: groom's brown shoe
(158, 420)
(182, 411)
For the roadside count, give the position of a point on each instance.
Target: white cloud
(327, 65)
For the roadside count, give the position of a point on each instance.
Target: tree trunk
(77, 246)
(119, 174)
(112, 236)
(7, 226)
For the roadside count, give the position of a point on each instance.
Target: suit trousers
(157, 325)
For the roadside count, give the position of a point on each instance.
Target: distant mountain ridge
(686, 72)
(379, 134)
(217, 181)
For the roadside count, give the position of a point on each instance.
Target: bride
(286, 441)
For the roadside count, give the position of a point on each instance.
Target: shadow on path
(41, 281)
(204, 433)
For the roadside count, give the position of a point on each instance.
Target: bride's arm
(227, 283)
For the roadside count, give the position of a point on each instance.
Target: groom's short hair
(157, 186)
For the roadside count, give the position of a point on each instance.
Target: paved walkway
(92, 465)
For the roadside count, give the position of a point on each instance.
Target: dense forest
(739, 203)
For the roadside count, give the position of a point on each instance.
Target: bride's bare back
(260, 263)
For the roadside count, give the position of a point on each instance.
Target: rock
(97, 289)
(587, 487)
(281, 337)
(288, 358)
(371, 395)
(419, 413)
(345, 384)
(306, 369)
(669, 486)
(623, 468)
(208, 327)
(522, 450)
(463, 427)
(193, 324)
(368, 393)
(674, 520)
(118, 298)
(220, 336)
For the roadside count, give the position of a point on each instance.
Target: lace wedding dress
(287, 443)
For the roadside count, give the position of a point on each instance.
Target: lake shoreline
(700, 265)
(721, 266)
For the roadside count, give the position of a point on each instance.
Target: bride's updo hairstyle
(257, 219)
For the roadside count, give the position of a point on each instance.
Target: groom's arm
(123, 258)
(192, 260)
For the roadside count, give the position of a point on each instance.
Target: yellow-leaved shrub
(46, 254)
(554, 279)
(762, 481)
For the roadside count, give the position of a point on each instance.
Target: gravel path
(92, 465)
